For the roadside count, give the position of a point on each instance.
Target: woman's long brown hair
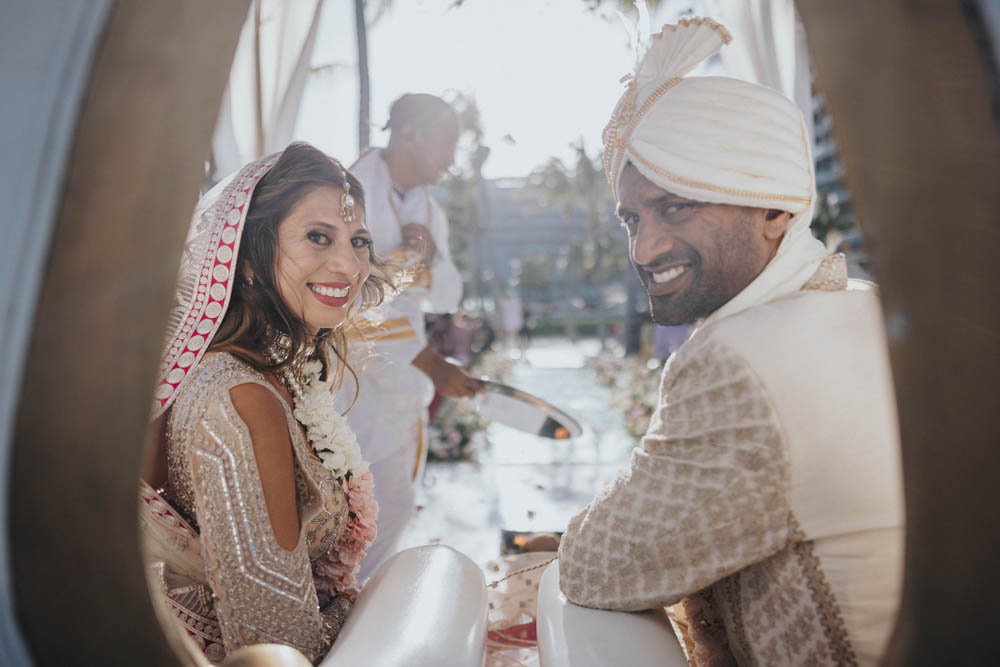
(256, 311)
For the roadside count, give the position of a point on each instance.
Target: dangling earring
(249, 280)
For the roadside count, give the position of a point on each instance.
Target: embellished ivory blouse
(766, 493)
(209, 535)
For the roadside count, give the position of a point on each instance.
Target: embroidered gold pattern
(738, 643)
(628, 118)
(829, 611)
(704, 497)
(707, 22)
(193, 606)
(781, 611)
(831, 276)
(809, 156)
(748, 194)
(261, 593)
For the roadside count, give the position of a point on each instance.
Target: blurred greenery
(831, 215)
(465, 205)
(599, 260)
(462, 183)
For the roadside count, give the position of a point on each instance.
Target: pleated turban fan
(713, 139)
(718, 140)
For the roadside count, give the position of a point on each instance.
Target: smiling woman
(323, 259)
(296, 249)
(257, 505)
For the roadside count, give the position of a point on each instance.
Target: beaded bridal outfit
(207, 534)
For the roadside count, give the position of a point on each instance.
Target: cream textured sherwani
(767, 490)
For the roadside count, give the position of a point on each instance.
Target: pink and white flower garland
(335, 444)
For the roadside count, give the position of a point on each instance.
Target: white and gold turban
(719, 140)
(712, 138)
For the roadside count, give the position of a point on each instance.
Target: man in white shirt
(398, 372)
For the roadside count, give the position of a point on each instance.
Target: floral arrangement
(634, 385)
(457, 430)
(335, 444)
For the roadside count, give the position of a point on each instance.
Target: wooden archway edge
(907, 86)
(136, 166)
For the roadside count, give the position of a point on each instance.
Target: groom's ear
(776, 223)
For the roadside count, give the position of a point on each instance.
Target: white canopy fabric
(768, 47)
(46, 50)
(269, 74)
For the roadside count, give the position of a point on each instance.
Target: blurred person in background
(398, 371)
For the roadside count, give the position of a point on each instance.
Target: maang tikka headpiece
(346, 200)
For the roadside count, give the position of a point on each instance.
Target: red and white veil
(206, 278)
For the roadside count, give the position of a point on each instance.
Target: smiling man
(693, 256)
(766, 493)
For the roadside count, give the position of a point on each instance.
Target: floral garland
(337, 447)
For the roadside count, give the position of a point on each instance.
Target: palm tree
(553, 187)
(468, 209)
(361, 24)
(364, 83)
(600, 259)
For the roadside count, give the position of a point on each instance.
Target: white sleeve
(445, 292)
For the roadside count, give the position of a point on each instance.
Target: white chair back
(424, 607)
(574, 636)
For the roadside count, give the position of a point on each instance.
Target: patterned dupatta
(204, 288)
(207, 275)
(183, 593)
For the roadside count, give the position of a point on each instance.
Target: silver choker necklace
(291, 374)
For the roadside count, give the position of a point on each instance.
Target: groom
(766, 493)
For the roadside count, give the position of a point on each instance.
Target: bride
(256, 506)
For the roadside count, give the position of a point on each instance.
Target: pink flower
(364, 484)
(337, 571)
